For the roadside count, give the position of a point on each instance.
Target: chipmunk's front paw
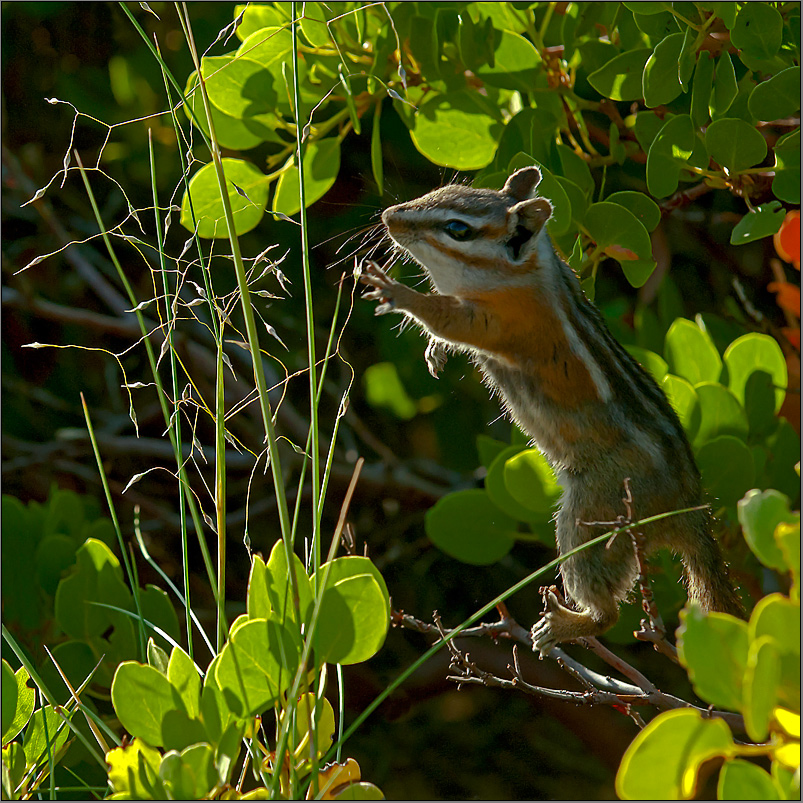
(384, 288)
(435, 356)
(543, 631)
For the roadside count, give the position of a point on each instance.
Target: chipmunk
(504, 296)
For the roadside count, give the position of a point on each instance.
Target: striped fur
(504, 296)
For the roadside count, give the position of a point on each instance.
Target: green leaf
(758, 30)
(157, 657)
(623, 237)
(321, 166)
(777, 617)
(184, 677)
(734, 144)
(237, 87)
(727, 468)
(687, 59)
(19, 700)
(760, 512)
(384, 389)
(575, 168)
(355, 611)
(660, 82)
(713, 648)
(189, 775)
(45, 728)
(14, 771)
(762, 222)
(97, 577)
(247, 209)
(313, 24)
(621, 77)
(488, 448)
(664, 759)
(466, 525)
(689, 352)
(360, 790)
(278, 585)
(720, 413)
(531, 481)
(757, 376)
(499, 493)
(787, 536)
(516, 63)
(134, 769)
(258, 16)
(786, 184)
(457, 129)
(667, 155)
(725, 87)
(701, 89)
(683, 398)
(319, 719)
(142, 696)
(257, 664)
(743, 780)
(376, 150)
(761, 678)
(642, 206)
(776, 98)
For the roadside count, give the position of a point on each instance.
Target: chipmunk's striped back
(504, 296)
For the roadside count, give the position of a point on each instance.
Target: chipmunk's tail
(707, 577)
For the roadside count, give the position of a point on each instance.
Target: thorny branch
(598, 689)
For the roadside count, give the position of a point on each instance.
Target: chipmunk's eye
(458, 230)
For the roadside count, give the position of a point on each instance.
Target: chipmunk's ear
(525, 221)
(522, 183)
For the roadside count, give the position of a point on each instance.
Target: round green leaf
(743, 780)
(360, 790)
(760, 512)
(457, 129)
(353, 620)
(720, 413)
(670, 149)
(257, 664)
(321, 166)
(45, 734)
(713, 649)
(701, 89)
(727, 468)
(321, 721)
(466, 525)
(777, 617)
(641, 205)
(516, 63)
(142, 696)
(689, 352)
(499, 493)
(238, 87)
(761, 678)
(531, 482)
(313, 24)
(757, 376)
(621, 77)
(258, 16)
(663, 760)
(734, 144)
(189, 775)
(623, 237)
(758, 30)
(247, 208)
(19, 700)
(776, 98)
(683, 398)
(786, 184)
(661, 82)
(54, 555)
(762, 222)
(278, 589)
(237, 134)
(725, 87)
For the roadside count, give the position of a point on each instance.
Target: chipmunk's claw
(435, 356)
(541, 632)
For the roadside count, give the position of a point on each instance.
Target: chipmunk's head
(470, 239)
